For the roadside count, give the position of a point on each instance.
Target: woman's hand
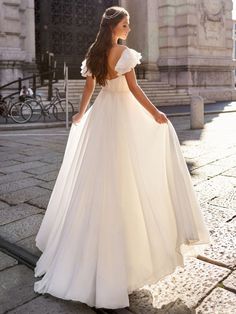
(77, 117)
(160, 117)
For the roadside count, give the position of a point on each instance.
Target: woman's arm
(138, 93)
(86, 96)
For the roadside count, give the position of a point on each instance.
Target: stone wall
(144, 33)
(17, 39)
(196, 47)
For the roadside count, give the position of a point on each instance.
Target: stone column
(17, 39)
(152, 40)
(196, 47)
(29, 30)
(144, 33)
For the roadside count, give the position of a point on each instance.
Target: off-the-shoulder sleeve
(84, 70)
(128, 60)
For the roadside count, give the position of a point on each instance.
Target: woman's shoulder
(123, 51)
(117, 50)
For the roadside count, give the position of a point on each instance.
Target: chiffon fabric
(123, 212)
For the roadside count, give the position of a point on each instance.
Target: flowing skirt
(123, 212)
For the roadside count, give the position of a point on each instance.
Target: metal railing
(51, 79)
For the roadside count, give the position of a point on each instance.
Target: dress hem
(150, 281)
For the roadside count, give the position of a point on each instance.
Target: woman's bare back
(113, 57)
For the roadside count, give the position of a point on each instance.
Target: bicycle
(57, 106)
(19, 112)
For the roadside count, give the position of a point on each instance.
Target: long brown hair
(97, 53)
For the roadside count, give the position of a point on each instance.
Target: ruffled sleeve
(128, 60)
(84, 70)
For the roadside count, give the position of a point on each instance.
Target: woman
(123, 212)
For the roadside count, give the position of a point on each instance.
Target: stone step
(158, 92)
(79, 89)
(150, 91)
(82, 81)
(154, 96)
(159, 98)
(170, 103)
(143, 83)
(147, 87)
(172, 97)
(150, 94)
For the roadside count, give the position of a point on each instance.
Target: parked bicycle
(57, 107)
(19, 112)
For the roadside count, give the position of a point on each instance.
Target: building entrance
(66, 28)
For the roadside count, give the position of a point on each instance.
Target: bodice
(118, 84)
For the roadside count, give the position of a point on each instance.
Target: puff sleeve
(128, 60)
(84, 70)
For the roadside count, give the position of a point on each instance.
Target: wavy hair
(97, 54)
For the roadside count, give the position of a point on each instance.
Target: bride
(123, 212)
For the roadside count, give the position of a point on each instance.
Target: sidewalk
(30, 161)
(170, 111)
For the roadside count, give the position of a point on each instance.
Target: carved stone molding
(213, 10)
(212, 17)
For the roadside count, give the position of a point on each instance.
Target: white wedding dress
(123, 212)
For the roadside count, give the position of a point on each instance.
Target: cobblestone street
(30, 161)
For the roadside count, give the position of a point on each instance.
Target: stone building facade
(17, 39)
(195, 43)
(186, 43)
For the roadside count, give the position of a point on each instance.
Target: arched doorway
(67, 28)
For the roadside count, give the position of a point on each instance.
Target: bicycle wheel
(20, 112)
(36, 107)
(59, 110)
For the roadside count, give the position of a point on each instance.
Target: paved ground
(30, 160)
(177, 110)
